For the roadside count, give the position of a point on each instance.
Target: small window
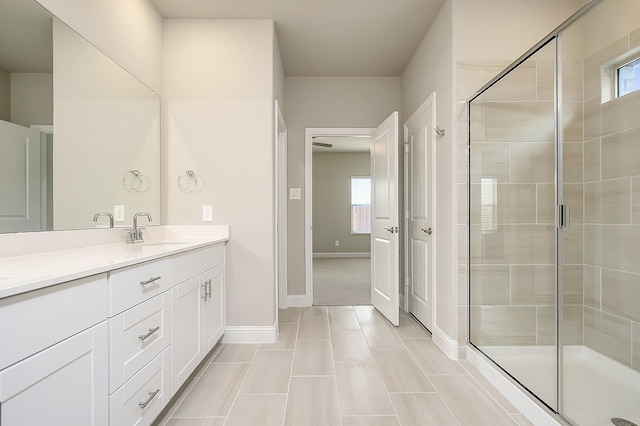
(628, 78)
(360, 205)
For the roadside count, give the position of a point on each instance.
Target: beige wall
(326, 102)
(332, 201)
(129, 31)
(5, 95)
(31, 98)
(218, 122)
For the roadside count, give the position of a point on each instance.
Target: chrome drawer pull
(151, 331)
(150, 280)
(151, 396)
(209, 288)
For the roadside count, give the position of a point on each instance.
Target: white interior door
(281, 206)
(19, 178)
(385, 235)
(418, 131)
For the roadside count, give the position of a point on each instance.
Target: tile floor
(339, 365)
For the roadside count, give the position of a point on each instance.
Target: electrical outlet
(207, 213)
(337, 243)
(118, 213)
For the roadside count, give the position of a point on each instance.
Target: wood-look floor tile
(214, 392)
(288, 316)
(350, 345)
(210, 421)
(381, 336)
(286, 338)
(313, 311)
(431, 359)
(422, 409)
(521, 420)
(368, 315)
(400, 372)
(361, 389)
(488, 387)
(263, 410)
(343, 320)
(313, 401)
(476, 408)
(410, 328)
(370, 421)
(234, 352)
(313, 358)
(313, 327)
(269, 373)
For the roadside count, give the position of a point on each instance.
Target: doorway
(341, 216)
(384, 212)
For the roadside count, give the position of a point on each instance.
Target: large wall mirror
(78, 134)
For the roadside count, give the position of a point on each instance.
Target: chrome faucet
(95, 218)
(135, 234)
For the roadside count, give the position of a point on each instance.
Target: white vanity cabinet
(54, 357)
(139, 338)
(198, 312)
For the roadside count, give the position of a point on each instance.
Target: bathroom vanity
(107, 334)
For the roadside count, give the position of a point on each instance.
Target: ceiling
(342, 144)
(328, 37)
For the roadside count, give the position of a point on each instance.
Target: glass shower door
(512, 224)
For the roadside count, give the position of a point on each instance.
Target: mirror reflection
(78, 134)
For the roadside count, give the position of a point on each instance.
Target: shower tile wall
(612, 210)
(513, 246)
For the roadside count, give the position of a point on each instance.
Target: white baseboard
(534, 412)
(445, 343)
(296, 301)
(250, 334)
(341, 255)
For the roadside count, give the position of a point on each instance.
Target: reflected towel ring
(134, 181)
(188, 182)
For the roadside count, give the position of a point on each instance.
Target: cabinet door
(65, 384)
(186, 348)
(213, 313)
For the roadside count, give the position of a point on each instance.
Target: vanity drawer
(136, 336)
(38, 319)
(135, 284)
(194, 262)
(142, 398)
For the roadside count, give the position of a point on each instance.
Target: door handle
(389, 229)
(427, 231)
(393, 230)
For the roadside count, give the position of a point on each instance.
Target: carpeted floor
(342, 281)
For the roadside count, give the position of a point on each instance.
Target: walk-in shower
(554, 217)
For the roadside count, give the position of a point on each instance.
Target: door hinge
(564, 216)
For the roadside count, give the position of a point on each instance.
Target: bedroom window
(360, 205)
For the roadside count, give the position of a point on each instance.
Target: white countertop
(20, 274)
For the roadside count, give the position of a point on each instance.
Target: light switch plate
(207, 213)
(118, 213)
(295, 193)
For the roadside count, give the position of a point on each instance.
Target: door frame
(281, 204)
(429, 102)
(309, 133)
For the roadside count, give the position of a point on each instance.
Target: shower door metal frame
(561, 211)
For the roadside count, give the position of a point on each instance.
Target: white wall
(106, 123)
(218, 121)
(5, 95)
(129, 31)
(31, 98)
(326, 102)
(431, 70)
